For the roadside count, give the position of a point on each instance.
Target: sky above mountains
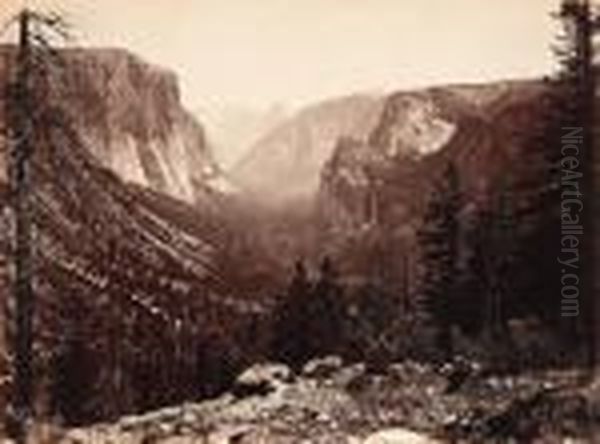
(259, 52)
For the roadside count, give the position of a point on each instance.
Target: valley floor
(405, 403)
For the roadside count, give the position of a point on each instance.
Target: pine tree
(536, 205)
(491, 278)
(502, 256)
(577, 81)
(70, 367)
(291, 343)
(30, 85)
(470, 310)
(326, 312)
(309, 320)
(373, 330)
(439, 242)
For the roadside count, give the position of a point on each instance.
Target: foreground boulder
(262, 379)
(399, 436)
(322, 368)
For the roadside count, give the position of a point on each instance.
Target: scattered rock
(323, 368)
(231, 435)
(262, 379)
(458, 372)
(349, 375)
(277, 410)
(398, 436)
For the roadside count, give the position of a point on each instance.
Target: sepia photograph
(299, 222)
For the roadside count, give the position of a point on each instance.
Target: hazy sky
(258, 52)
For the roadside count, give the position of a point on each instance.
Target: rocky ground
(330, 403)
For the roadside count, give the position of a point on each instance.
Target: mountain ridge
(284, 164)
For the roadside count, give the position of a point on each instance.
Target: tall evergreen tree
(501, 260)
(290, 342)
(475, 281)
(29, 87)
(326, 311)
(577, 80)
(309, 320)
(439, 242)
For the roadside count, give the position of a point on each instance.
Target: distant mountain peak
(285, 164)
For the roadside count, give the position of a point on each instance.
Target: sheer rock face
(373, 191)
(123, 126)
(286, 163)
(130, 116)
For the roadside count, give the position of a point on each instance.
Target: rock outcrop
(374, 191)
(130, 116)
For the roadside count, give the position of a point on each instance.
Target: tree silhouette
(374, 332)
(491, 286)
(577, 82)
(309, 320)
(326, 311)
(291, 343)
(503, 242)
(70, 367)
(439, 242)
(470, 310)
(30, 85)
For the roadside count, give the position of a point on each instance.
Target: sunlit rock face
(414, 125)
(129, 115)
(374, 190)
